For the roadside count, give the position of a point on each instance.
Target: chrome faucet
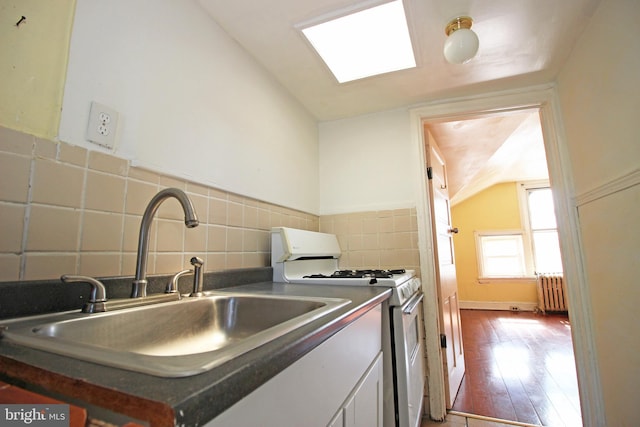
(139, 288)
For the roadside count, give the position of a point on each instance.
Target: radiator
(552, 295)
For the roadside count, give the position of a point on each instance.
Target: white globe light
(461, 46)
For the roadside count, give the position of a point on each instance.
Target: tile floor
(456, 420)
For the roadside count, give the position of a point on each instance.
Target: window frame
(526, 255)
(523, 201)
(525, 232)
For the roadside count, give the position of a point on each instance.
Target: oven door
(409, 361)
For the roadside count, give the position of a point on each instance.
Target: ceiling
(522, 43)
(490, 149)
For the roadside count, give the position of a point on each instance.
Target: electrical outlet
(103, 122)
(514, 308)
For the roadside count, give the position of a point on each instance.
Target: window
(501, 254)
(543, 229)
(523, 253)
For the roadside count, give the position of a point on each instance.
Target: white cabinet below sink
(363, 407)
(339, 383)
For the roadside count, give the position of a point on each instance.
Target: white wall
(365, 163)
(599, 90)
(600, 95)
(192, 103)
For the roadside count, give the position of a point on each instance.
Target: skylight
(366, 43)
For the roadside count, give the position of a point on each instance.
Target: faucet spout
(139, 288)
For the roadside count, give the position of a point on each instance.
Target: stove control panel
(406, 290)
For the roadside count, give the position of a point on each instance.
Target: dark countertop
(193, 400)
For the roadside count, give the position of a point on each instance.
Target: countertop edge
(24, 375)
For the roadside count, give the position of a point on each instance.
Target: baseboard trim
(491, 419)
(498, 305)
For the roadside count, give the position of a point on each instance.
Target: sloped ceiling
(522, 43)
(487, 150)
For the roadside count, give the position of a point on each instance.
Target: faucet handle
(97, 297)
(198, 276)
(172, 286)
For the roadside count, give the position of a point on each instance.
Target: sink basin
(172, 339)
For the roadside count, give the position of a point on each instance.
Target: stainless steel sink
(172, 339)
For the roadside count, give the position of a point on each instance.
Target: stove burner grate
(358, 274)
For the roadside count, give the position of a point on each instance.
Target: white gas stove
(308, 257)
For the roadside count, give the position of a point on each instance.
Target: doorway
(541, 98)
(514, 356)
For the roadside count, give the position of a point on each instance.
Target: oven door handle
(413, 302)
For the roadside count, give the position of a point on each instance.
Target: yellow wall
(495, 208)
(34, 63)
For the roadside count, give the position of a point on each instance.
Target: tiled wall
(64, 209)
(377, 239)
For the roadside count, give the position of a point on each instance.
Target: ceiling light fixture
(462, 43)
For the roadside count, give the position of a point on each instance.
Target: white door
(448, 303)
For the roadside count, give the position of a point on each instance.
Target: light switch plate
(103, 123)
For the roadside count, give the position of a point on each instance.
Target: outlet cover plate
(102, 126)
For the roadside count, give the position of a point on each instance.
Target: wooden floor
(519, 367)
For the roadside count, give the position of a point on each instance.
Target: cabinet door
(338, 420)
(312, 390)
(364, 408)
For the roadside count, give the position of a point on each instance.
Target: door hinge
(429, 172)
(443, 341)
